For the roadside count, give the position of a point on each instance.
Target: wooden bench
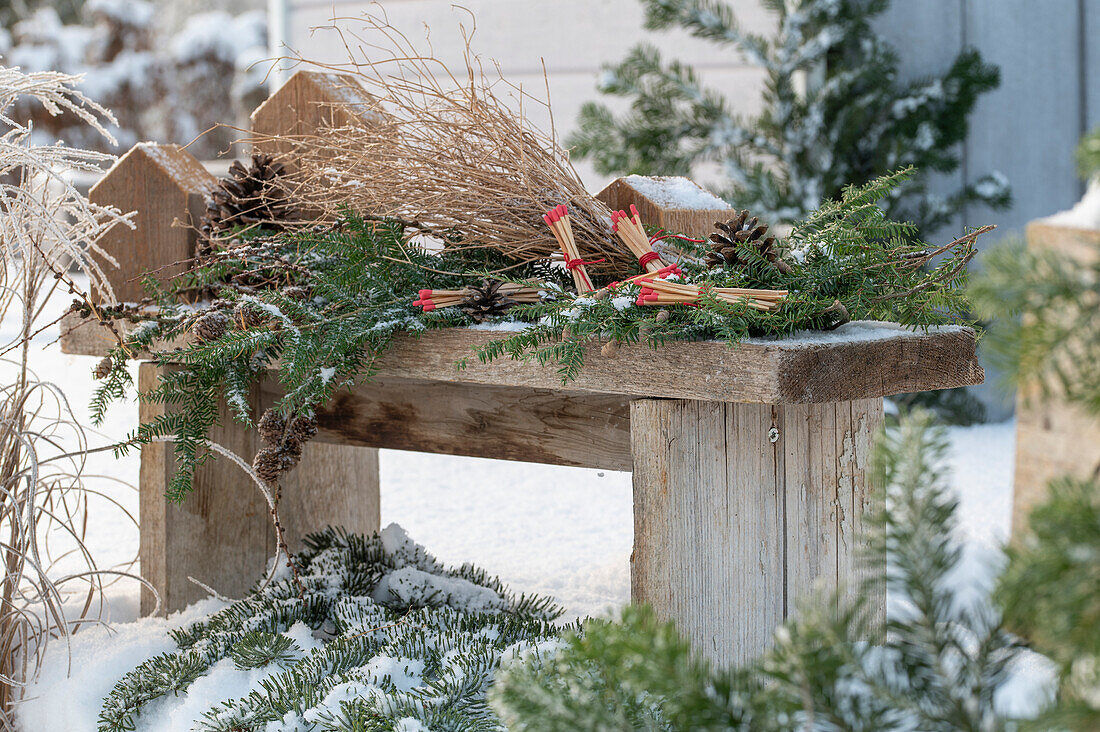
(749, 463)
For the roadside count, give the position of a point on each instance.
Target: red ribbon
(647, 258)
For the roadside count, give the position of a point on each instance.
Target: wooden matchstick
(558, 221)
(631, 231)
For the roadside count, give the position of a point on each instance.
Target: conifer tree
(836, 112)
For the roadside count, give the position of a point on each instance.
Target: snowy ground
(565, 532)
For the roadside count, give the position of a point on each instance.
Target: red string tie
(574, 263)
(647, 258)
(661, 235)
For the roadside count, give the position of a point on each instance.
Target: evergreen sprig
(835, 112)
(1050, 592)
(1044, 313)
(1088, 155)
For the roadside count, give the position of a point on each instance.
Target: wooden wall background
(1027, 129)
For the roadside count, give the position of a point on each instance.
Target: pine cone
(271, 427)
(247, 315)
(739, 234)
(250, 196)
(271, 462)
(210, 326)
(268, 464)
(103, 368)
(302, 430)
(486, 301)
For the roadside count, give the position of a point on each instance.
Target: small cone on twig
(247, 315)
(271, 427)
(731, 245)
(103, 368)
(210, 326)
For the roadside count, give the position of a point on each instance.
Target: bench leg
(741, 509)
(221, 534)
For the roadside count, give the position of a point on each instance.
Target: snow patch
(1085, 214)
(858, 331)
(675, 192)
(503, 326)
(411, 586)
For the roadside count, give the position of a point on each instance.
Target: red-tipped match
(426, 294)
(640, 300)
(634, 210)
(429, 306)
(546, 218)
(564, 210)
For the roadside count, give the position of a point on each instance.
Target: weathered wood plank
(505, 423)
(221, 534)
(878, 360)
(737, 513)
(167, 187)
(855, 430)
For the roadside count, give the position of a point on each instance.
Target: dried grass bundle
(449, 153)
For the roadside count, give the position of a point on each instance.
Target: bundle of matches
(557, 219)
(609, 289)
(662, 292)
(509, 293)
(632, 233)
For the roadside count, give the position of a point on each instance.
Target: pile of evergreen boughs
(392, 641)
(324, 304)
(835, 112)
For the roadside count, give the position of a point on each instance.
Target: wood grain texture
(308, 102)
(619, 194)
(740, 510)
(793, 370)
(167, 187)
(1053, 438)
(505, 423)
(221, 534)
